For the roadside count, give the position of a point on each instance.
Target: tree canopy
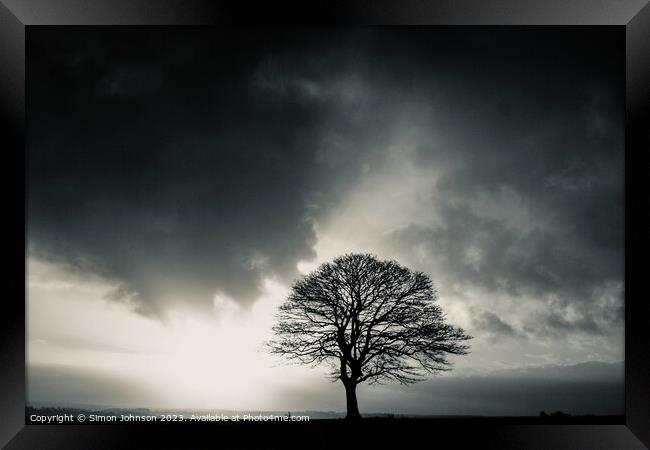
(370, 320)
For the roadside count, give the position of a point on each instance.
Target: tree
(370, 320)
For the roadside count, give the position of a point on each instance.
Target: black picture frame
(17, 15)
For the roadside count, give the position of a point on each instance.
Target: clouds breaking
(188, 167)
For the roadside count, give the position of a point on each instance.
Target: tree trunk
(351, 402)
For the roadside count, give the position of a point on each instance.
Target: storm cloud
(184, 165)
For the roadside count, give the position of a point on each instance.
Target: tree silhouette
(372, 321)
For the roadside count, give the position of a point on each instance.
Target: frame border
(16, 15)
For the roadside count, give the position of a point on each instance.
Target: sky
(179, 180)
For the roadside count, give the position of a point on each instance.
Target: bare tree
(372, 321)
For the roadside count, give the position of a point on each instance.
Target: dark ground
(317, 419)
(555, 431)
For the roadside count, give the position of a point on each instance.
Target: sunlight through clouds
(188, 361)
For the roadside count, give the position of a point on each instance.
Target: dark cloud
(529, 151)
(214, 182)
(196, 190)
(494, 327)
